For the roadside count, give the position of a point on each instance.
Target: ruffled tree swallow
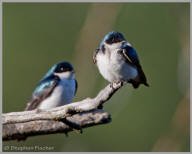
(118, 61)
(56, 88)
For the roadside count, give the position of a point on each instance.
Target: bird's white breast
(113, 67)
(61, 95)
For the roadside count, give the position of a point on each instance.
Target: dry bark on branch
(19, 131)
(59, 119)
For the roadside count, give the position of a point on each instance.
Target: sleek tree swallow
(118, 61)
(56, 88)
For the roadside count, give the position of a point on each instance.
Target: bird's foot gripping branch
(77, 115)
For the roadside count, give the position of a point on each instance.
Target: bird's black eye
(63, 67)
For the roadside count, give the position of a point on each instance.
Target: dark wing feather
(76, 86)
(132, 58)
(43, 90)
(95, 55)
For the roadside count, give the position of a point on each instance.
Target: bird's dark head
(63, 70)
(63, 67)
(112, 37)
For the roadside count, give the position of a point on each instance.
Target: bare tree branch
(20, 131)
(59, 119)
(63, 111)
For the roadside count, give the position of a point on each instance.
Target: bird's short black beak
(73, 71)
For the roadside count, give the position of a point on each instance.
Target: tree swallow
(58, 87)
(118, 61)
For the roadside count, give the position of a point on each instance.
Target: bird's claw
(38, 110)
(111, 85)
(120, 83)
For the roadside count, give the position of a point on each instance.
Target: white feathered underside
(112, 65)
(62, 94)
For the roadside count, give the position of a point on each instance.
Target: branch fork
(83, 113)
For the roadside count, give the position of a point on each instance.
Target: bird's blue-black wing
(76, 86)
(43, 90)
(130, 55)
(132, 58)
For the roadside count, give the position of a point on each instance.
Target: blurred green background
(38, 35)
